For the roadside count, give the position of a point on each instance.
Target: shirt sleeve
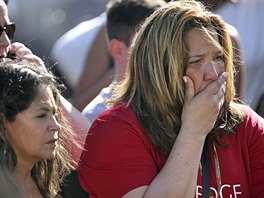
(117, 158)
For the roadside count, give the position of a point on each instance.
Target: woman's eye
(41, 115)
(195, 61)
(219, 60)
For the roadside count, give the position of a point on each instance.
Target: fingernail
(184, 79)
(224, 74)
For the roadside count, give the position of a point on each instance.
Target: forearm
(82, 99)
(93, 77)
(179, 175)
(78, 123)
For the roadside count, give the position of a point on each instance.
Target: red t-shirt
(118, 157)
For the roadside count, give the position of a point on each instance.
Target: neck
(27, 186)
(119, 73)
(25, 181)
(23, 168)
(22, 175)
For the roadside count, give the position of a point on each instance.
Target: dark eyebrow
(47, 108)
(44, 109)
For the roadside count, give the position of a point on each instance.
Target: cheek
(197, 77)
(221, 67)
(21, 142)
(24, 135)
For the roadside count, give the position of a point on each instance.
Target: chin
(51, 156)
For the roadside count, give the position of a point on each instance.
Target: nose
(211, 72)
(54, 125)
(4, 41)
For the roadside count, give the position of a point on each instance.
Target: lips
(53, 141)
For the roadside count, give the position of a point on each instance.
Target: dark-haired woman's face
(205, 61)
(34, 133)
(4, 40)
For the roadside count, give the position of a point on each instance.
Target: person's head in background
(123, 19)
(30, 125)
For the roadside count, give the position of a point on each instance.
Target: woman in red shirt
(175, 128)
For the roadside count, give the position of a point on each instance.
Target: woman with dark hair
(33, 150)
(19, 51)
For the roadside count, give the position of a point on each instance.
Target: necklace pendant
(211, 194)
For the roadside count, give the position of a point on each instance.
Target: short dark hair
(123, 16)
(6, 1)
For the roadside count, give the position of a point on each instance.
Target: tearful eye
(195, 61)
(41, 115)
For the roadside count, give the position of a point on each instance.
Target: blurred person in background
(97, 72)
(123, 19)
(40, 23)
(71, 48)
(86, 73)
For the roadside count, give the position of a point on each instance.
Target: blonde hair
(153, 85)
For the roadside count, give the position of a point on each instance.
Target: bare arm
(178, 177)
(79, 124)
(96, 74)
(85, 97)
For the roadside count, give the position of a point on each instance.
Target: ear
(118, 50)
